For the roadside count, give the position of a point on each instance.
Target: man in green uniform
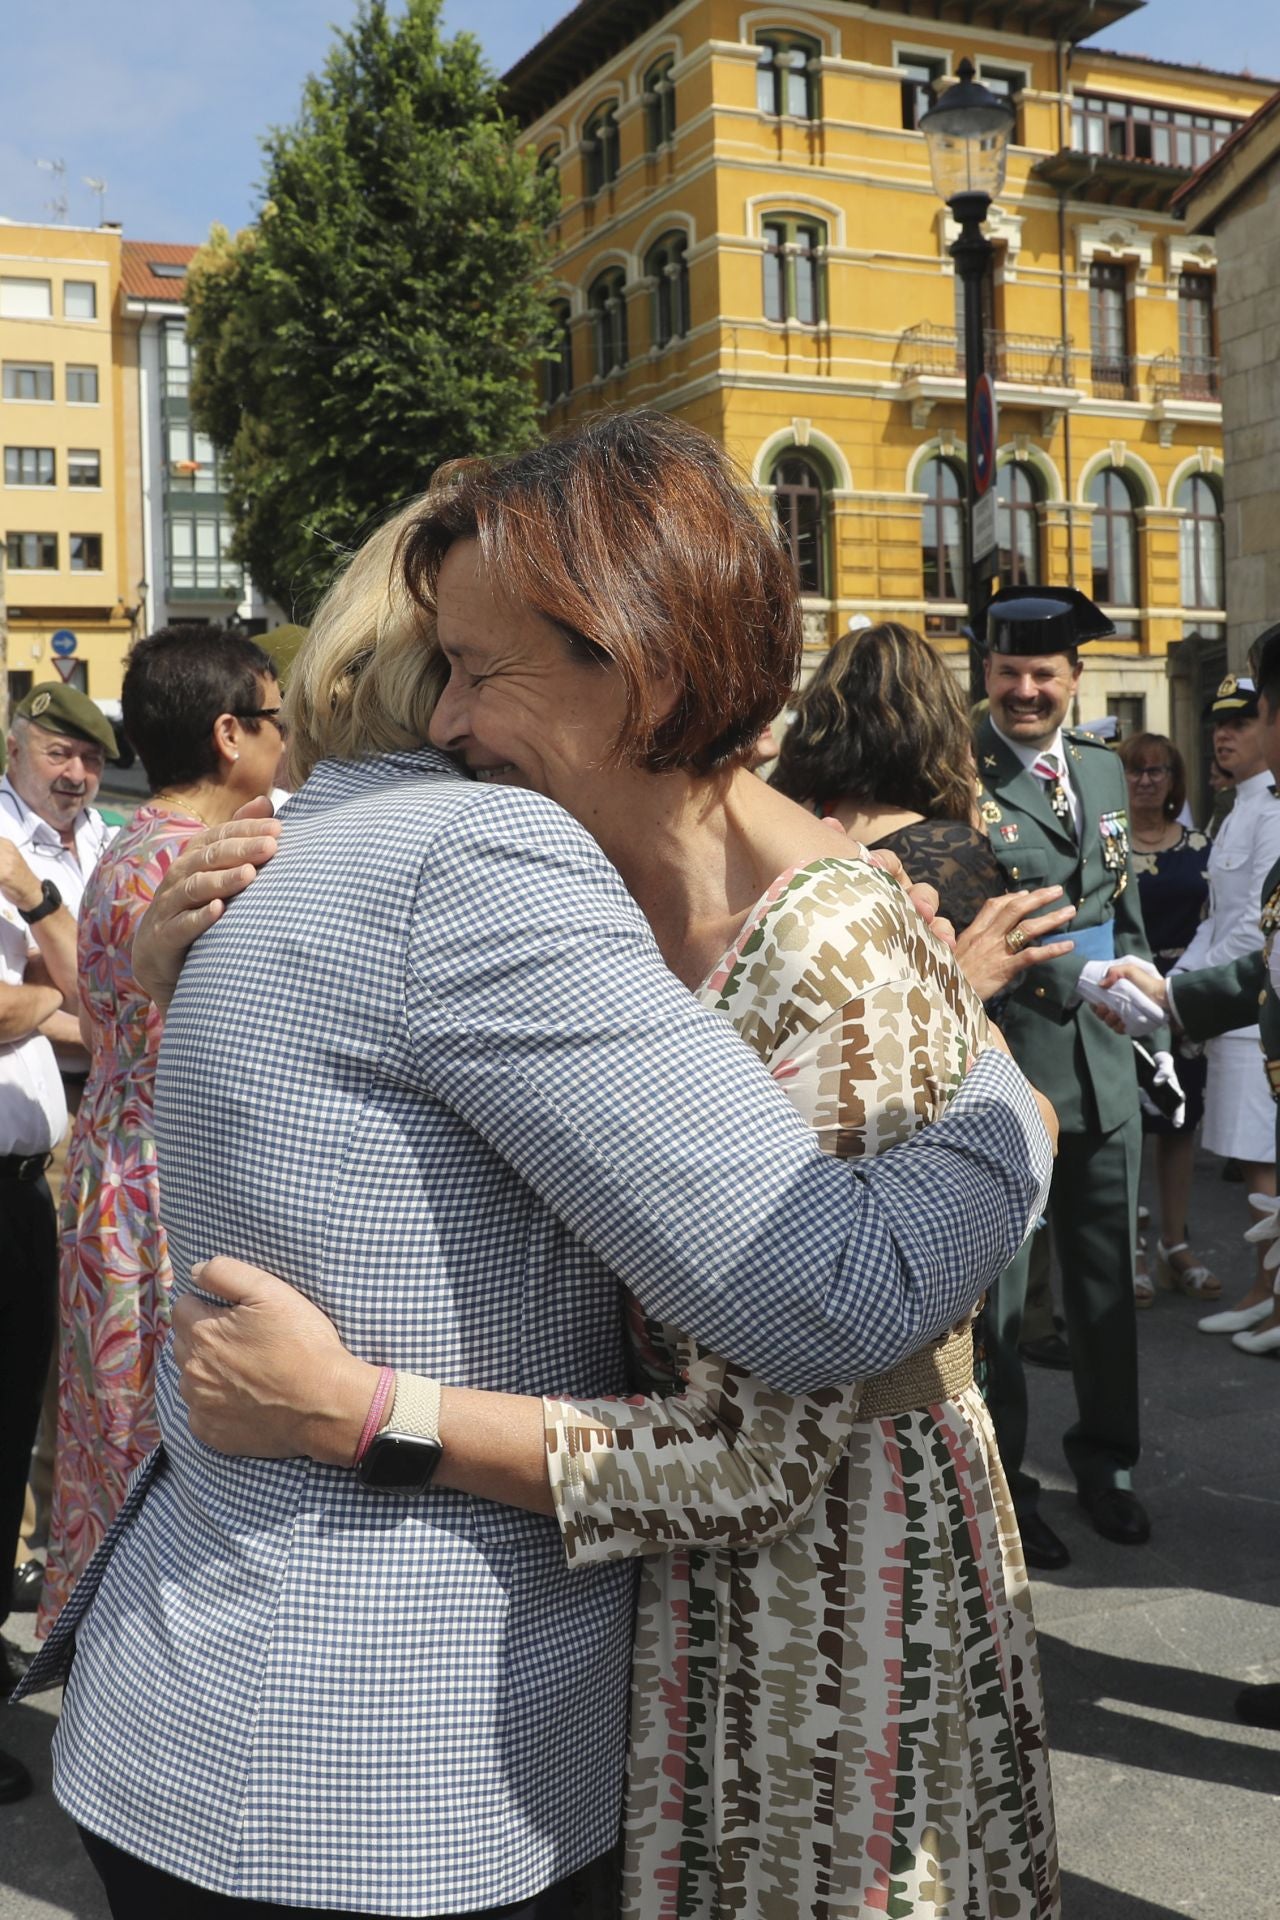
(1054, 805)
(1206, 1001)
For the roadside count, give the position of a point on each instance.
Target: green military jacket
(1080, 1064)
(1212, 1000)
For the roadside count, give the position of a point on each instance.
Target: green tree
(388, 307)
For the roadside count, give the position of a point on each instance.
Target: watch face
(400, 1463)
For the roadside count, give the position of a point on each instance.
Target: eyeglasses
(1148, 773)
(265, 713)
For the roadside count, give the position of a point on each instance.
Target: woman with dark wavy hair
(880, 742)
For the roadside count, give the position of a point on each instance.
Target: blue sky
(166, 99)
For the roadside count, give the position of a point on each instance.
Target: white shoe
(1268, 1342)
(1236, 1319)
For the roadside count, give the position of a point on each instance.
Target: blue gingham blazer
(432, 1069)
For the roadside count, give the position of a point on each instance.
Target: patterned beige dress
(836, 1706)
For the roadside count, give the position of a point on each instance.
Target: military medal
(991, 814)
(1113, 832)
(1009, 831)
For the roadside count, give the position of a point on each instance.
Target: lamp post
(967, 132)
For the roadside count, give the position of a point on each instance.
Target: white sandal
(1143, 1291)
(1195, 1280)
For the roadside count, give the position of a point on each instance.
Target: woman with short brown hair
(617, 618)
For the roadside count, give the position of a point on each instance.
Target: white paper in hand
(1136, 1009)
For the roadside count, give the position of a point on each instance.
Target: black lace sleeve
(954, 858)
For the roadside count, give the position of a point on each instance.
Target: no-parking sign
(982, 435)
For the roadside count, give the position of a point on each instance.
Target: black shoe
(13, 1664)
(1259, 1706)
(1051, 1351)
(1041, 1547)
(1117, 1514)
(27, 1582)
(15, 1781)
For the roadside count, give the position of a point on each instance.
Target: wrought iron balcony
(1185, 376)
(1017, 359)
(1114, 376)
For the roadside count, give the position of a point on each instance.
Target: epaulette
(1081, 737)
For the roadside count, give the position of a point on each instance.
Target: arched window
(794, 287)
(800, 503)
(557, 373)
(666, 265)
(607, 304)
(787, 75)
(1115, 540)
(600, 145)
(1017, 524)
(1201, 543)
(659, 104)
(942, 529)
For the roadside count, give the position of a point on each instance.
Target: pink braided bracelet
(377, 1407)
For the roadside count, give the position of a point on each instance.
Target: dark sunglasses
(265, 713)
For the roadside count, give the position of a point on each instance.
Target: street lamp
(967, 132)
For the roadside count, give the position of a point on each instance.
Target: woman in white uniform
(1239, 1115)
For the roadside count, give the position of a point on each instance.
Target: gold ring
(1015, 940)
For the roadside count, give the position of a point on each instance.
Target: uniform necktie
(1048, 770)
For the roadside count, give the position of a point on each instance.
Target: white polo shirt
(33, 1108)
(41, 845)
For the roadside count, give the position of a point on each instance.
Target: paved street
(1166, 1806)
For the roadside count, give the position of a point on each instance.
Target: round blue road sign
(63, 642)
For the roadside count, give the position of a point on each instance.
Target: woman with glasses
(202, 710)
(1171, 862)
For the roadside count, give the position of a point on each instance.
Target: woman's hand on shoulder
(923, 898)
(213, 867)
(997, 947)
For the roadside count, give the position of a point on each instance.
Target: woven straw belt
(939, 1373)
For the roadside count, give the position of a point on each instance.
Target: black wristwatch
(50, 901)
(400, 1463)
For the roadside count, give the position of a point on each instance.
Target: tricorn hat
(1031, 620)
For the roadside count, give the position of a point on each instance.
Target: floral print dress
(113, 1310)
(836, 1708)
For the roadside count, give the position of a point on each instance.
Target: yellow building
(65, 480)
(749, 236)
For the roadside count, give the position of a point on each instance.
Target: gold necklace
(1151, 846)
(182, 806)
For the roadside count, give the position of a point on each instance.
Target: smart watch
(404, 1456)
(50, 901)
